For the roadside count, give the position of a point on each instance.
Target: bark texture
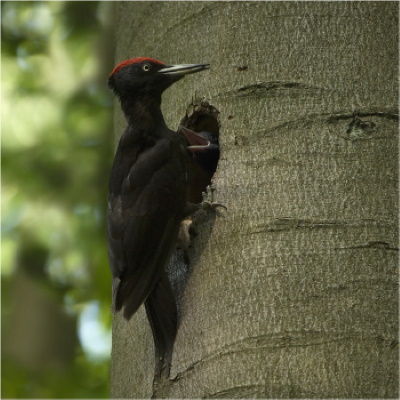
(293, 293)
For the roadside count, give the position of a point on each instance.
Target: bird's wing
(143, 222)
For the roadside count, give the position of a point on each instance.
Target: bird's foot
(210, 205)
(206, 205)
(211, 208)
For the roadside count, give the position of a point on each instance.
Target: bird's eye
(146, 67)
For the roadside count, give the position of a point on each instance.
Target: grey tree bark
(293, 292)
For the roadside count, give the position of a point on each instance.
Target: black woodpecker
(147, 198)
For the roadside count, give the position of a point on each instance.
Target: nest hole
(203, 119)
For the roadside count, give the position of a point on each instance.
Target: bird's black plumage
(147, 197)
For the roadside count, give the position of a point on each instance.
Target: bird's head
(141, 76)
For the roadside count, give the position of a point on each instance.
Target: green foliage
(57, 148)
(84, 380)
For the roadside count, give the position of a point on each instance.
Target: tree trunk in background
(293, 293)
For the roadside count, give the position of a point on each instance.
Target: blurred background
(57, 148)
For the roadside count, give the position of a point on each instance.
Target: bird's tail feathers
(162, 314)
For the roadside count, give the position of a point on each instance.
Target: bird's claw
(211, 206)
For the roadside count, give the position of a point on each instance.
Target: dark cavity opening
(203, 119)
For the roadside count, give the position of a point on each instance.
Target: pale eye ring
(146, 67)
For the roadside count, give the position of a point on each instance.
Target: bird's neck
(144, 114)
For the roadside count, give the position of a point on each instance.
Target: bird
(203, 148)
(147, 198)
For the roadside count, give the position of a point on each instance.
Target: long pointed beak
(183, 69)
(196, 141)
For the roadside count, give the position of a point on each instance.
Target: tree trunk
(293, 292)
